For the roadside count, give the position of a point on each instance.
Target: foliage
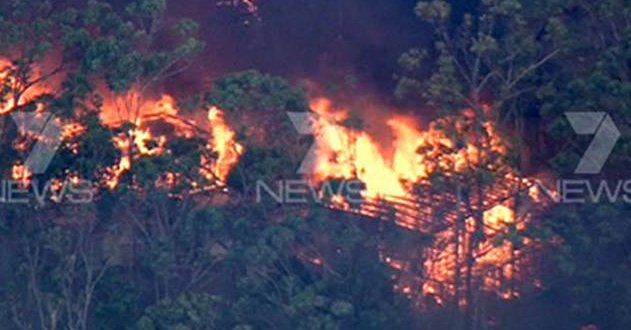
(147, 258)
(257, 105)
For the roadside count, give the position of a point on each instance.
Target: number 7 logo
(49, 134)
(605, 132)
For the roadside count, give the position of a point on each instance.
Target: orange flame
(18, 94)
(141, 142)
(392, 171)
(22, 174)
(136, 142)
(222, 141)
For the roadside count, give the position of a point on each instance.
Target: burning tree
(454, 193)
(487, 65)
(435, 182)
(100, 85)
(92, 71)
(256, 107)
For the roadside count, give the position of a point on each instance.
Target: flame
(347, 153)
(140, 141)
(390, 173)
(21, 173)
(222, 141)
(18, 94)
(131, 109)
(21, 93)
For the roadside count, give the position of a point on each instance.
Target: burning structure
(452, 180)
(446, 229)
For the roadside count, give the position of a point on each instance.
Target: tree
(189, 311)
(256, 105)
(62, 263)
(486, 62)
(591, 74)
(314, 273)
(58, 59)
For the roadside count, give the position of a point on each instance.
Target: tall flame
(391, 173)
(222, 141)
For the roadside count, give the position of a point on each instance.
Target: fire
(18, 93)
(390, 173)
(347, 153)
(22, 174)
(496, 263)
(344, 153)
(140, 141)
(134, 113)
(222, 142)
(131, 107)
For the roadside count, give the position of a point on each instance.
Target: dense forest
(313, 164)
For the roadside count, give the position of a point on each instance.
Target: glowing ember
(21, 173)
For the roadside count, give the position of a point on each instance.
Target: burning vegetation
(129, 171)
(398, 178)
(134, 118)
(222, 150)
(470, 227)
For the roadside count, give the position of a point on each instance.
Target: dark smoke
(323, 41)
(320, 40)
